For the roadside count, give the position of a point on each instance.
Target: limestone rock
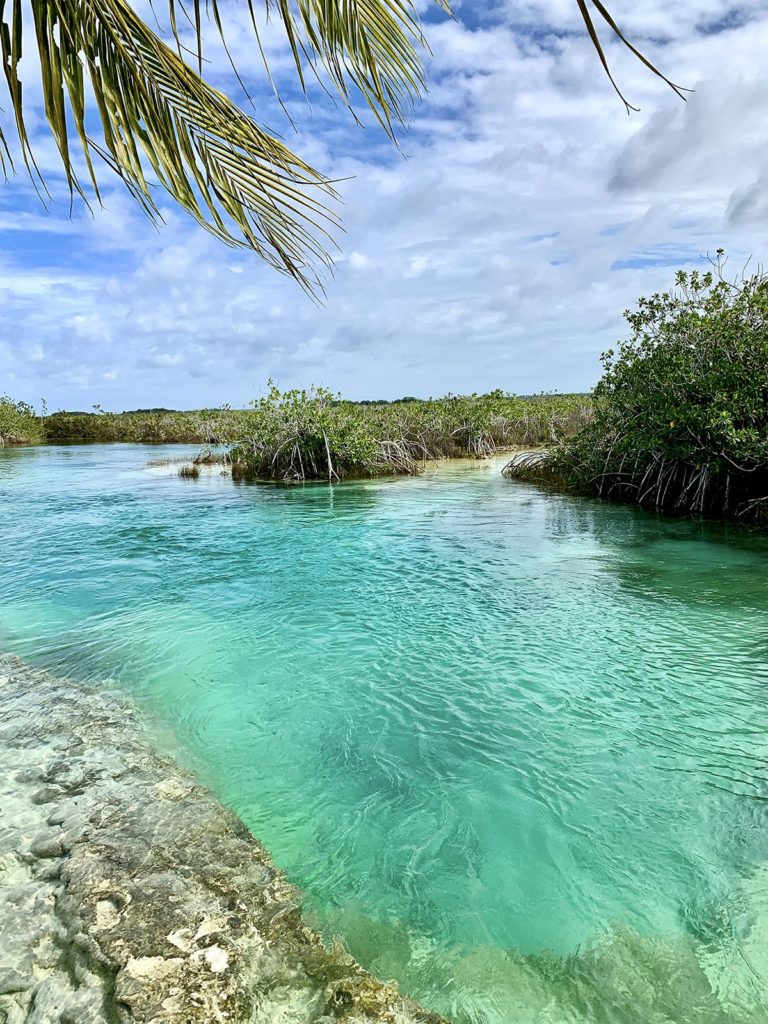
(129, 894)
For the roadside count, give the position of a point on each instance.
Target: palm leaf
(607, 17)
(156, 112)
(161, 122)
(368, 46)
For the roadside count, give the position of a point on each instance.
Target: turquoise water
(513, 746)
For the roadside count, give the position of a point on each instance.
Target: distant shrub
(147, 426)
(681, 413)
(18, 423)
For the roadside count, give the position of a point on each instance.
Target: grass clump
(18, 423)
(680, 419)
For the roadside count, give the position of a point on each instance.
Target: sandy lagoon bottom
(512, 746)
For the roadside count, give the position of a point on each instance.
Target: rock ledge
(129, 894)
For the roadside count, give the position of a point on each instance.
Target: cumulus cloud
(497, 247)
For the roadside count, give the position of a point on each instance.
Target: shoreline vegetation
(19, 423)
(317, 435)
(678, 422)
(314, 435)
(680, 416)
(150, 899)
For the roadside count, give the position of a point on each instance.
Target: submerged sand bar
(128, 893)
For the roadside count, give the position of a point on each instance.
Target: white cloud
(497, 249)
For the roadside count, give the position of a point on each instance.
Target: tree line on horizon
(677, 423)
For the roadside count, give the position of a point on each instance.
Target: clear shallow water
(513, 746)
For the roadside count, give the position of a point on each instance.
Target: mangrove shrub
(18, 423)
(680, 419)
(305, 435)
(316, 435)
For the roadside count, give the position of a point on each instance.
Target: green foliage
(115, 91)
(316, 435)
(18, 423)
(681, 412)
(306, 435)
(153, 426)
(461, 425)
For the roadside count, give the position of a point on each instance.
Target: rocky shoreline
(128, 893)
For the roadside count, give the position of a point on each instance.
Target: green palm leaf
(605, 14)
(161, 122)
(156, 112)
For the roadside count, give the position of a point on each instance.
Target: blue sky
(497, 247)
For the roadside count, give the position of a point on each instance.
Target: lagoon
(512, 745)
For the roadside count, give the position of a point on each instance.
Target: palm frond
(369, 46)
(161, 122)
(157, 113)
(605, 14)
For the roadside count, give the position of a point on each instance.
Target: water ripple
(513, 745)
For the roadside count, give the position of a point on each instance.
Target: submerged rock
(129, 894)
